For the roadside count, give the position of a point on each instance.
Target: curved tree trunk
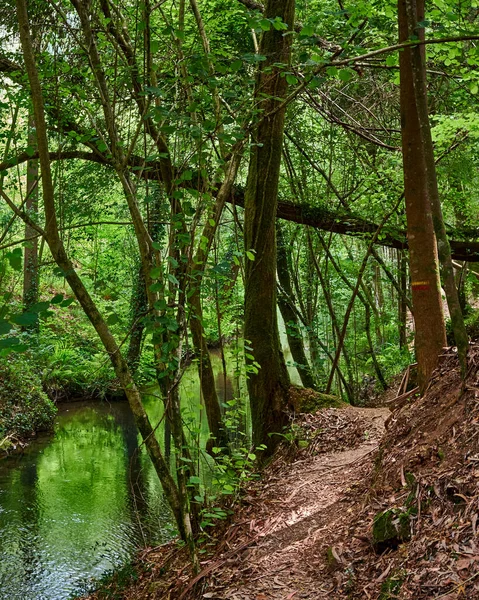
(51, 234)
(268, 386)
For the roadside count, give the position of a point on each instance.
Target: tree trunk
(402, 306)
(426, 296)
(418, 63)
(30, 255)
(138, 308)
(57, 249)
(293, 328)
(268, 386)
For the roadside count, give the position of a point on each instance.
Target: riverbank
(25, 409)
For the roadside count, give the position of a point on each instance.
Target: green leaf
(236, 65)
(265, 24)
(345, 74)
(391, 60)
(5, 327)
(332, 71)
(25, 319)
(194, 480)
(39, 307)
(307, 31)
(160, 304)
(112, 319)
(155, 273)
(57, 299)
(250, 255)
(291, 79)
(15, 259)
(9, 342)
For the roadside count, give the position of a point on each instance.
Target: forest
(239, 279)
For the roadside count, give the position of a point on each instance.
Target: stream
(79, 502)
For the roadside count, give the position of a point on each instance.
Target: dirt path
(295, 515)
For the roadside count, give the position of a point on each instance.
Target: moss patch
(305, 400)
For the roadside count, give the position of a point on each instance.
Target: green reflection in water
(67, 507)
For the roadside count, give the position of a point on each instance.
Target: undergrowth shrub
(24, 406)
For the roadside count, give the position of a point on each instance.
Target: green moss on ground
(305, 400)
(24, 406)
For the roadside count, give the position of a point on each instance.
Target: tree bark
(31, 277)
(268, 386)
(418, 63)
(426, 296)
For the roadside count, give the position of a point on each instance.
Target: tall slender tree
(423, 259)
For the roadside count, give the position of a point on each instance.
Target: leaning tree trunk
(268, 386)
(426, 295)
(57, 249)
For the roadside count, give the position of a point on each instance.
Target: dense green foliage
(24, 406)
(153, 120)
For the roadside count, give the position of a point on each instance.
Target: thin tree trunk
(402, 307)
(31, 277)
(426, 296)
(293, 329)
(138, 308)
(268, 386)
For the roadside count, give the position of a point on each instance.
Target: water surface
(77, 504)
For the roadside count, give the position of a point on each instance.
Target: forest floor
(351, 510)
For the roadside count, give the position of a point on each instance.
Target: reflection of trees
(30, 511)
(74, 505)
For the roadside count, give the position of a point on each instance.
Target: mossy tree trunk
(423, 259)
(268, 387)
